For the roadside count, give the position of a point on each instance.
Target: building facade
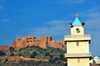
(77, 45)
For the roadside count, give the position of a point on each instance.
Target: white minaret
(77, 45)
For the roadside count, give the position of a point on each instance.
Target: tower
(77, 45)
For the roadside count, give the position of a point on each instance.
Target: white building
(77, 45)
(96, 60)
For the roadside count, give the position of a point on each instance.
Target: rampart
(43, 43)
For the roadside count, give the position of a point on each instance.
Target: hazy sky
(39, 18)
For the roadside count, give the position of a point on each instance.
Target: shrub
(57, 49)
(62, 57)
(12, 54)
(28, 46)
(6, 60)
(44, 50)
(20, 49)
(2, 53)
(20, 61)
(52, 61)
(41, 53)
(55, 58)
(51, 51)
(0, 60)
(12, 49)
(47, 54)
(20, 54)
(51, 56)
(33, 54)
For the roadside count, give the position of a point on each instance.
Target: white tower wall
(77, 45)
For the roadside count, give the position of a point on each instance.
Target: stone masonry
(43, 43)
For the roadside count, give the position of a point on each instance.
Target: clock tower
(77, 45)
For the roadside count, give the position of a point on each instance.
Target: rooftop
(76, 21)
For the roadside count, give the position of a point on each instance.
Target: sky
(40, 18)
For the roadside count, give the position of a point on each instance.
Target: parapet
(18, 39)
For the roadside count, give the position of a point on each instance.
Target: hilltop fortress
(43, 43)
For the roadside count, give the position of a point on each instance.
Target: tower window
(77, 30)
(77, 43)
(78, 60)
(30, 41)
(27, 41)
(30, 38)
(27, 38)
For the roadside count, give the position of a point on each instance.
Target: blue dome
(77, 22)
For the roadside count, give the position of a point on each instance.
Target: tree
(12, 54)
(28, 46)
(47, 54)
(62, 57)
(51, 56)
(57, 49)
(55, 58)
(6, 60)
(33, 54)
(44, 50)
(2, 53)
(12, 49)
(51, 51)
(20, 54)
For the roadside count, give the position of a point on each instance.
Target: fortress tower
(77, 45)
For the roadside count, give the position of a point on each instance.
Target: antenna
(76, 15)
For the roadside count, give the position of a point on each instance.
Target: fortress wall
(43, 43)
(23, 38)
(55, 44)
(62, 42)
(45, 38)
(19, 44)
(37, 40)
(17, 39)
(27, 38)
(49, 39)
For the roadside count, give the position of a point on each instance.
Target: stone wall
(43, 43)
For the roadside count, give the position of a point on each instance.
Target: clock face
(78, 30)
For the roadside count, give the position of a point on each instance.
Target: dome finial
(76, 15)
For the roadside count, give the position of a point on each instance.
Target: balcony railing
(77, 37)
(77, 54)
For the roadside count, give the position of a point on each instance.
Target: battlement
(77, 55)
(77, 37)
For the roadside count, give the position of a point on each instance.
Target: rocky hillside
(31, 56)
(4, 47)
